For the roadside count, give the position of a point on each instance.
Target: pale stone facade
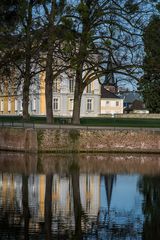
(111, 106)
(93, 102)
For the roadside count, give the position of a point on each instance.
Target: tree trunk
(48, 207)
(49, 87)
(26, 86)
(77, 98)
(27, 74)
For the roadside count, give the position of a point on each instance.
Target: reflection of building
(62, 197)
(10, 191)
(90, 193)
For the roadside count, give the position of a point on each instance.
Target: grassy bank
(109, 122)
(122, 122)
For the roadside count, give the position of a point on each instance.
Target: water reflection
(150, 188)
(79, 197)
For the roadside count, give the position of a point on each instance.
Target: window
(2, 105)
(71, 85)
(21, 107)
(107, 102)
(117, 104)
(55, 85)
(34, 104)
(89, 88)
(9, 105)
(2, 89)
(89, 105)
(16, 105)
(55, 104)
(71, 102)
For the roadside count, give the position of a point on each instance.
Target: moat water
(94, 196)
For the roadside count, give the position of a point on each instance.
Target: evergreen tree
(150, 82)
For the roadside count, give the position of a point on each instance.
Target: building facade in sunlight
(92, 105)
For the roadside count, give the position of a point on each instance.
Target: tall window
(117, 103)
(16, 105)
(9, 105)
(71, 102)
(55, 85)
(2, 89)
(34, 104)
(89, 88)
(71, 85)
(89, 105)
(21, 105)
(2, 105)
(55, 104)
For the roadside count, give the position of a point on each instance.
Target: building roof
(107, 94)
(138, 105)
(130, 97)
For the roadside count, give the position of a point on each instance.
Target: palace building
(95, 101)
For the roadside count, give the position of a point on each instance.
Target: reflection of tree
(117, 225)
(48, 207)
(150, 188)
(74, 169)
(112, 223)
(109, 180)
(26, 213)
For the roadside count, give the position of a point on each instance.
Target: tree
(107, 29)
(21, 50)
(150, 82)
(54, 12)
(8, 15)
(149, 187)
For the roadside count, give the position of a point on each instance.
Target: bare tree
(54, 12)
(105, 28)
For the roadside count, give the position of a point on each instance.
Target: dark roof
(137, 105)
(130, 97)
(107, 94)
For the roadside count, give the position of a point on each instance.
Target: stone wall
(80, 140)
(98, 140)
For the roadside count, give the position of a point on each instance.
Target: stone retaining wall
(80, 140)
(101, 140)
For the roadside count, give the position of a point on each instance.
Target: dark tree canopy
(8, 14)
(150, 82)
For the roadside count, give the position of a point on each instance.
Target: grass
(110, 122)
(122, 122)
